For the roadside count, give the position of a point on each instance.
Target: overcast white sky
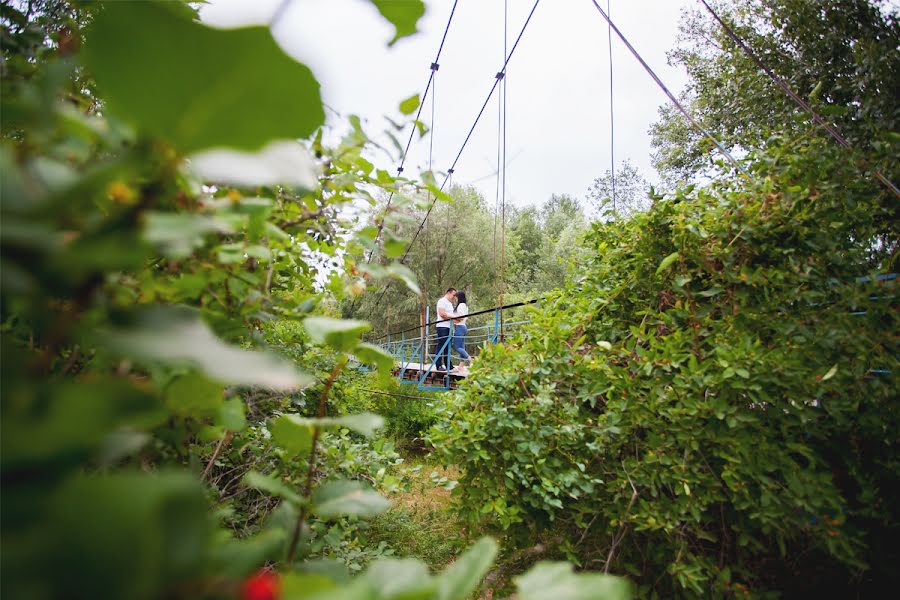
(558, 130)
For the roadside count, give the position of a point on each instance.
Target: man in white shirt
(443, 327)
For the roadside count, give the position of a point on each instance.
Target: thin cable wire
(474, 314)
(462, 148)
(394, 395)
(671, 96)
(428, 86)
(796, 98)
(497, 187)
(477, 118)
(503, 96)
(612, 120)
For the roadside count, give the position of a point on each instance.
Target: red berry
(818, 377)
(262, 585)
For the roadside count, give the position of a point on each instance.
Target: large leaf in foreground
(283, 162)
(401, 579)
(172, 336)
(271, 485)
(340, 334)
(340, 498)
(199, 87)
(404, 15)
(558, 580)
(463, 576)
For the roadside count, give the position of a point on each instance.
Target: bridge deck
(412, 371)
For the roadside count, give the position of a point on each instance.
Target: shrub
(698, 400)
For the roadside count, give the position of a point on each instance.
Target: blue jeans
(459, 341)
(443, 333)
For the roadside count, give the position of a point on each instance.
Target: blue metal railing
(422, 355)
(414, 353)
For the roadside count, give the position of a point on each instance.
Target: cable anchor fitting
(500, 75)
(435, 66)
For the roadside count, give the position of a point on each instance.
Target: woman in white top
(459, 327)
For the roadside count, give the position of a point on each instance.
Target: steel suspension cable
(450, 171)
(612, 120)
(497, 187)
(434, 68)
(671, 96)
(796, 98)
(474, 314)
(503, 95)
(500, 75)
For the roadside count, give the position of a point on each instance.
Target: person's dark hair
(460, 297)
(450, 289)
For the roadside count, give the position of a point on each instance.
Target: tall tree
(527, 240)
(453, 249)
(841, 55)
(559, 212)
(632, 192)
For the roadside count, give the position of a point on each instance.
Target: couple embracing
(446, 313)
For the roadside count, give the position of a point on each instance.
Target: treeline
(463, 245)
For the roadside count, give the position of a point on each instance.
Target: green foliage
(172, 415)
(403, 15)
(676, 407)
(351, 498)
(633, 193)
(556, 580)
(195, 90)
(839, 55)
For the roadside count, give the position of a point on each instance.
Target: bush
(698, 400)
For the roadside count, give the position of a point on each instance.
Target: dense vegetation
(712, 395)
(711, 414)
(705, 403)
(176, 413)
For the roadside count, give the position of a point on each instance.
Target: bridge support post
(402, 348)
(425, 335)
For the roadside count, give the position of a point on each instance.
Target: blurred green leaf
(406, 579)
(203, 87)
(364, 423)
(177, 235)
(302, 586)
(393, 247)
(292, 433)
(373, 355)
(240, 557)
(347, 498)
(559, 581)
(713, 291)
(231, 415)
(129, 535)
(270, 485)
(173, 336)
(409, 106)
(404, 274)
(667, 262)
(403, 15)
(340, 334)
(70, 419)
(194, 395)
(463, 577)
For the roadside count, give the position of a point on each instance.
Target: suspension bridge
(417, 352)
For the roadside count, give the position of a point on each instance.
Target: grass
(421, 522)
